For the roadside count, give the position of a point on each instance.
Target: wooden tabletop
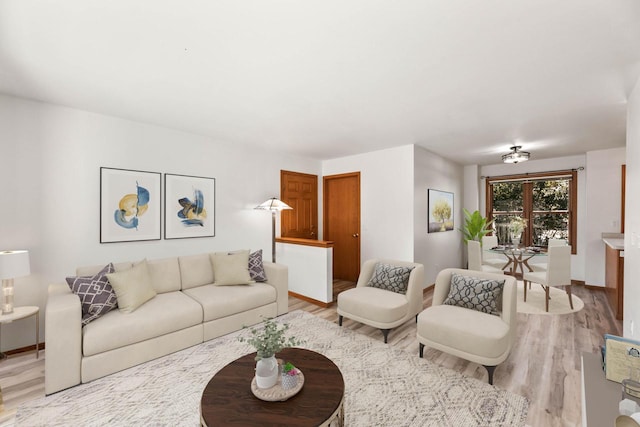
(227, 399)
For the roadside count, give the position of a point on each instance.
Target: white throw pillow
(231, 268)
(132, 287)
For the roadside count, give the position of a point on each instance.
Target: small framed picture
(189, 206)
(129, 205)
(440, 211)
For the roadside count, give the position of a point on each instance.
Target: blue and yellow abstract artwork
(189, 209)
(193, 212)
(131, 206)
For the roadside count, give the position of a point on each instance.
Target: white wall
(49, 168)
(472, 184)
(632, 219)
(604, 188)
(437, 250)
(386, 200)
(394, 185)
(560, 163)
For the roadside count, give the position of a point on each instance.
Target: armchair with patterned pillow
(388, 293)
(472, 316)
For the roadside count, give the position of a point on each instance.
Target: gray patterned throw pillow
(97, 297)
(256, 269)
(390, 277)
(475, 293)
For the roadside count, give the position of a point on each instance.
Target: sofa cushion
(256, 267)
(474, 293)
(97, 296)
(133, 287)
(231, 268)
(390, 278)
(373, 303)
(195, 270)
(222, 301)
(164, 274)
(166, 313)
(466, 330)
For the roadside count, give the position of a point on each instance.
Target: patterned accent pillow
(390, 277)
(475, 293)
(97, 297)
(256, 269)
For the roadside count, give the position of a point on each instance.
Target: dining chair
(491, 258)
(558, 273)
(474, 257)
(542, 266)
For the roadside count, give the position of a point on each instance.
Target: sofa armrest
(278, 277)
(63, 338)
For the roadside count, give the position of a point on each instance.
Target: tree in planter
(475, 226)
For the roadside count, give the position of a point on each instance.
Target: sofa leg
(421, 350)
(385, 332)
(490, 370)
(340, 320)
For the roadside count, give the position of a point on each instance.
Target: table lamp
(12, 264)
(274, 205)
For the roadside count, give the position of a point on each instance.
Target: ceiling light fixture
(516, 156)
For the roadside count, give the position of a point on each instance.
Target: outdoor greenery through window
(533, 208)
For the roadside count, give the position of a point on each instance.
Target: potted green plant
(289, 376)
(475, 226)
(268, 340)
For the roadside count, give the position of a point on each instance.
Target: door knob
(355, 235)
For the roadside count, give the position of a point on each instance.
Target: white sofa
(187, 310)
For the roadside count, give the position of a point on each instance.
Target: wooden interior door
(300, 191)
(341, 223)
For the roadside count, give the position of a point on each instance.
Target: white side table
(22, 313)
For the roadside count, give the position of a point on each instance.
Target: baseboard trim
(311, 300)
(594, 287)
(428, 289)
(578, 282)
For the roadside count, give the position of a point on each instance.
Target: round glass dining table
(517, 257)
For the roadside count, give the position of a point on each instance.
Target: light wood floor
(544, 366)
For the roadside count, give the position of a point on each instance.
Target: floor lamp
(274, 205)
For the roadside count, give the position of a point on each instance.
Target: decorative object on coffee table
(268, 341)
(225, 400)
(278, 393)
(290, 376)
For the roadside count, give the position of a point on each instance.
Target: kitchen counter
(614, 243)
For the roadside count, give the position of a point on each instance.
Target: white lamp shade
(14, 264)
(273, 204)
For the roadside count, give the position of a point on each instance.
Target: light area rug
(384, 386)
(558, 304)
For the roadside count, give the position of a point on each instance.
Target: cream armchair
(382, 308)
(472, 335)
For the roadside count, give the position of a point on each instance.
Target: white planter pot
(267, 372)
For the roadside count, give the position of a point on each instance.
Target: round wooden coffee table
(227, 399)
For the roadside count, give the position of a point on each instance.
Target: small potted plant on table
(268, 341)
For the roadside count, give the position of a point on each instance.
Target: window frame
(527, 200)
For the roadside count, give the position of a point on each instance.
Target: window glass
(507, 197)
(533, 208)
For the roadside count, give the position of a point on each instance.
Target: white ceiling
(329, 78)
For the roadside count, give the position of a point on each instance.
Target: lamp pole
(274, 205)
